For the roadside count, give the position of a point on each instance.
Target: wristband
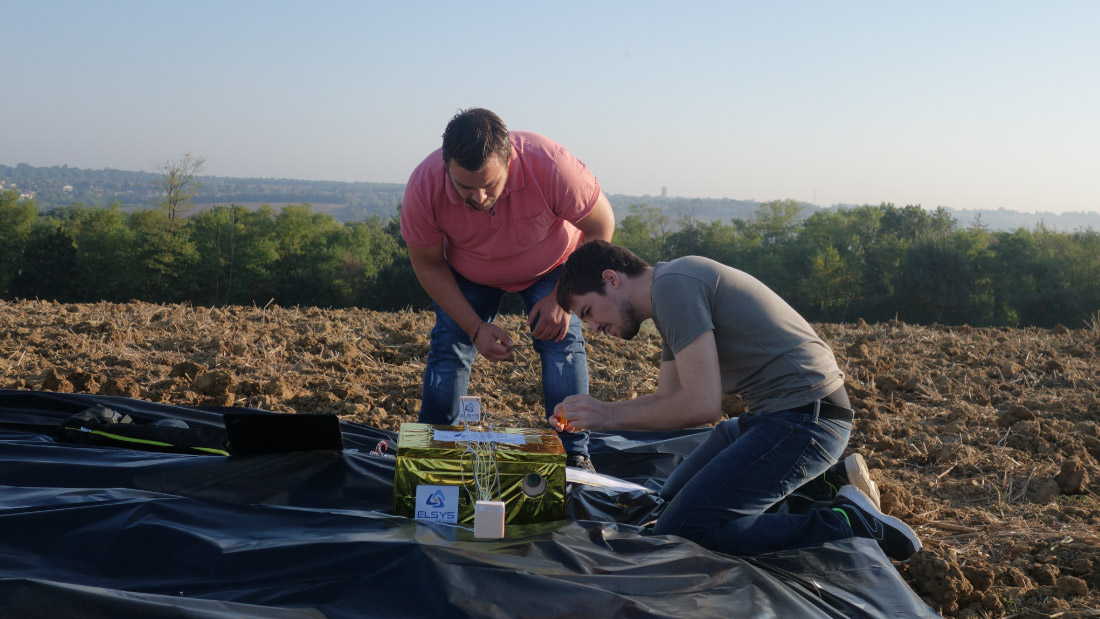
(473, 338)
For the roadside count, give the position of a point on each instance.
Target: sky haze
(970, 105)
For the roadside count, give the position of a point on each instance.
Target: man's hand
(581, 412)
(493, 342)
(689, 394)
(548, 321)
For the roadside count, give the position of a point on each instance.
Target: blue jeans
(447, 375)
(721, 494)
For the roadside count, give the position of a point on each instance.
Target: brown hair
(583, 271)
(473, 136)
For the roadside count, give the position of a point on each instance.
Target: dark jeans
(447, 375)
(720, 496)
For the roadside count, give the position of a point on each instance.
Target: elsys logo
(438, 503)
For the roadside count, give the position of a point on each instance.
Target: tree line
(885, 262)
(877, 263)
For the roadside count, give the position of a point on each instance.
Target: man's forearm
(439, 282)
(652, 412)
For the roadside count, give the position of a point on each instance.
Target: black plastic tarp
(90, 531)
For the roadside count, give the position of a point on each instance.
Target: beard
(487, 206)
(631, 324)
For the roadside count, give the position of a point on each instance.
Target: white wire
(484, 471)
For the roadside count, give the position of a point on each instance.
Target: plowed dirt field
(986, 441)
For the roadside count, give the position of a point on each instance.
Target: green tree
(103, 243)
(832, 248)
(777, 222)
(255, 281)
(47, 264)
(164, 258)
(716, 240)
(239, 252)
(1008, 269)
(17, 218)
(913, 223)
(1084, 276)
(1056, 274)
(761, 245)
(305, 264)
(830, 284)
(396, 281)
(215, 235)
(362, 249)
(943, 281)
(644, 231)
(887, 234)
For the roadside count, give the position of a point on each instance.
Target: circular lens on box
(533, 484)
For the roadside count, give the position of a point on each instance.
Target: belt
(828, 411)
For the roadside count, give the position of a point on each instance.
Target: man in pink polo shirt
(492, 212)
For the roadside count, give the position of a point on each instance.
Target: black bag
(102, 426)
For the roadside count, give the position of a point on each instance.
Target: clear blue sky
(966, 104)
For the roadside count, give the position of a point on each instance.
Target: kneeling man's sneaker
(580, 461)
(896, 539)
(852, 471)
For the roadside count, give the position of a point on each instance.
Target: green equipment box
(442, 470)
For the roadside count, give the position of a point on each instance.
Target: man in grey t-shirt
(723, 331)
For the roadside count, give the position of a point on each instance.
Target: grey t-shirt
(768, 353)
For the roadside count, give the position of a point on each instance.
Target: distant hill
(1002, 219)
(60, 186)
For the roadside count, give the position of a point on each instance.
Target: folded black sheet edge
(121, 532)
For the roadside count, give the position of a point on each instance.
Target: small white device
(489, 519)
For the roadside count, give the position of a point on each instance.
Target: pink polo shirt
(530, 229)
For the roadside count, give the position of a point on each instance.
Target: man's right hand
(438, 280)
(493, 342)
(581, 412)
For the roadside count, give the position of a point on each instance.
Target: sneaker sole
(855, 467)
(861, 500)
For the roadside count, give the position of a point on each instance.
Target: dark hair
(583, 271)
(474, 135)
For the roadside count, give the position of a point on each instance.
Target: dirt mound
(986, 441)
